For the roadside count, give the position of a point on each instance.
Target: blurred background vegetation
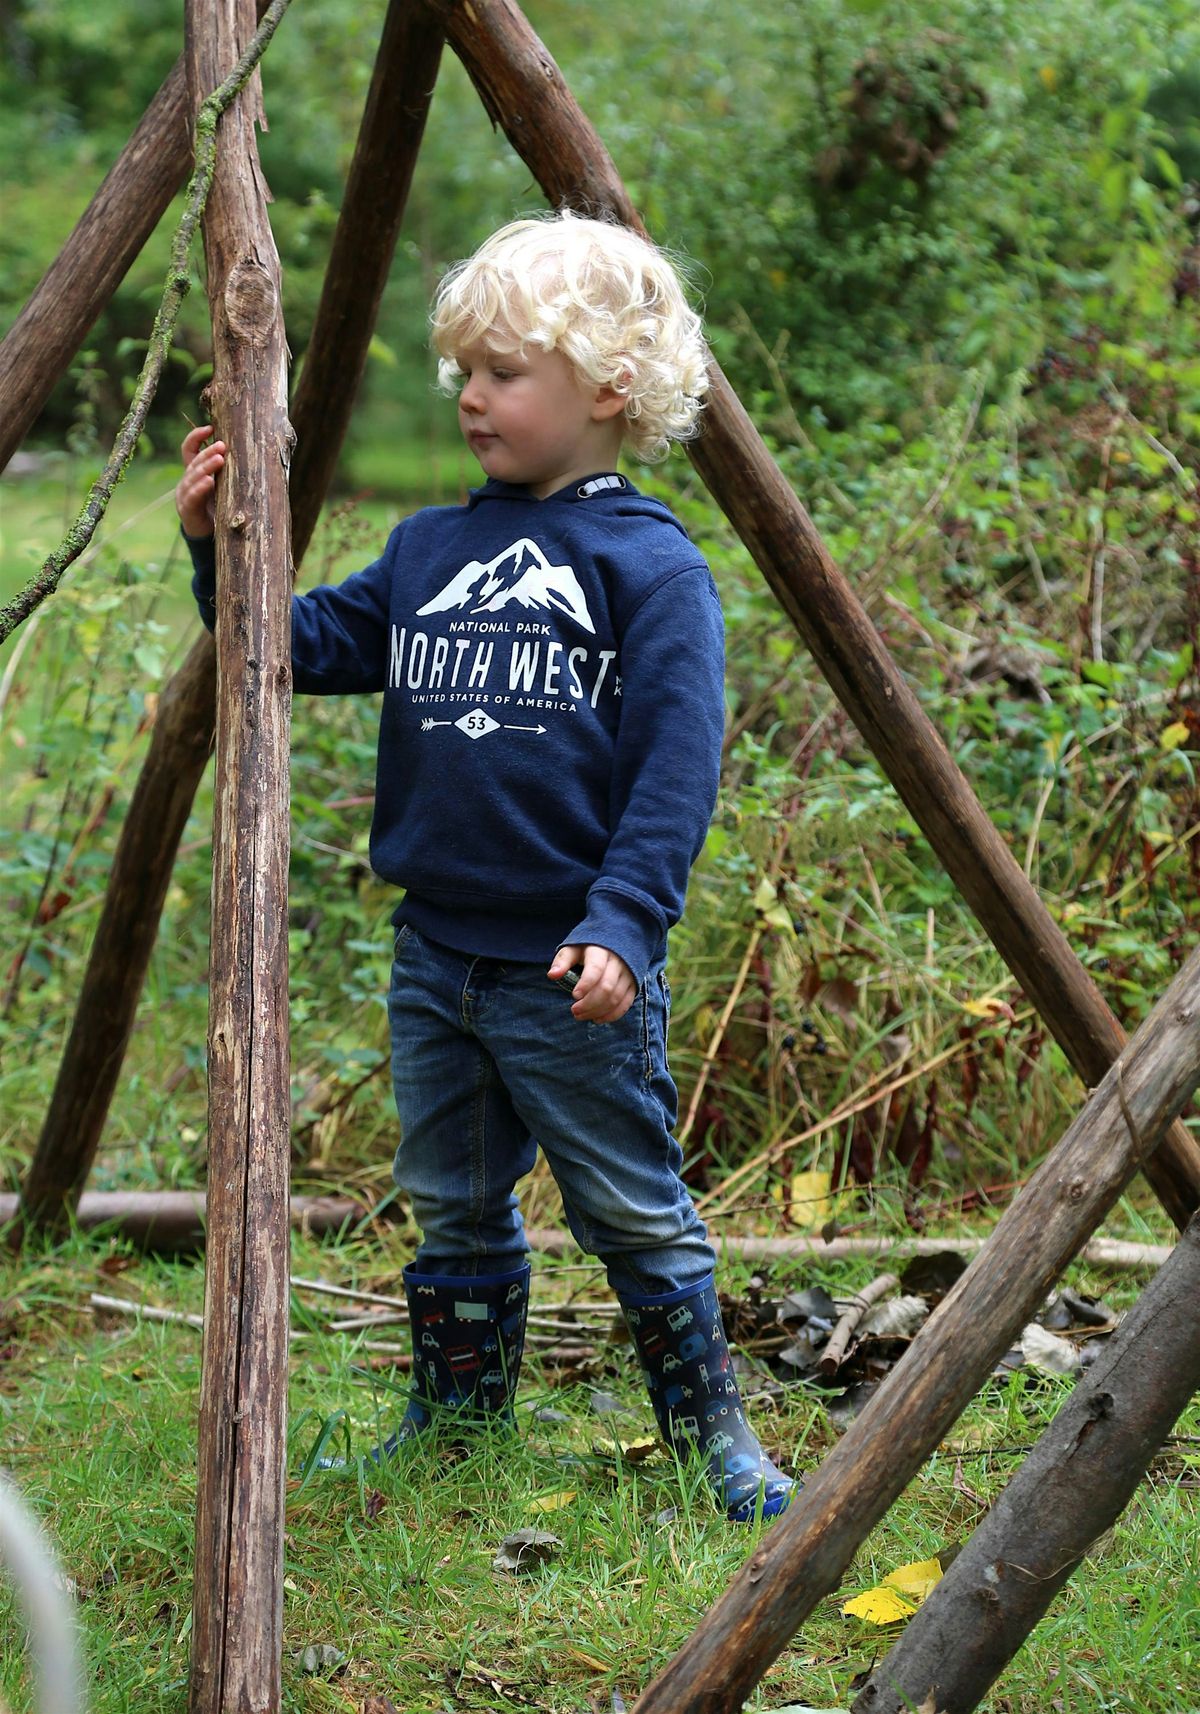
(950, 257)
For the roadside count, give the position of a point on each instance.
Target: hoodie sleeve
(339, 631)
(666, 768)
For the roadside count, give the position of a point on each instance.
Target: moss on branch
(176, 287)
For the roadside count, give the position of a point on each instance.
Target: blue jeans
(488, 1063)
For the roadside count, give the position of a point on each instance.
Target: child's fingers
(193, 440)
(606, 990)
(192, 447)
(564, 959)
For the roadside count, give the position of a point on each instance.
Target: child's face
(530, 419)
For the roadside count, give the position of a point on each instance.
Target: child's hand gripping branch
(196, 489)
(605, 990)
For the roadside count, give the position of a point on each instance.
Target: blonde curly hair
(604, 296)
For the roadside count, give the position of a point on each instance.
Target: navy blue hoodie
(550, 735)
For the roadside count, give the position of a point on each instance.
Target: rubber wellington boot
(468, 1334)
(681, 1342)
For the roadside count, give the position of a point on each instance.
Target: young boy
(551, 662)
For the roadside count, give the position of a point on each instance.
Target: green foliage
(947, 267)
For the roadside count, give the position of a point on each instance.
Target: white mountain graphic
(521, 573)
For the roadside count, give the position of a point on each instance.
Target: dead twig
(714, 1046)
(834, 1354)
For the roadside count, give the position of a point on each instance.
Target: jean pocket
(403, 935)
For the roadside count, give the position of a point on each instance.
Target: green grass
(396, 1574)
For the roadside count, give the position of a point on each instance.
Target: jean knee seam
(478, 1143)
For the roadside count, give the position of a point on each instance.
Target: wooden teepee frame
(1129, 1125)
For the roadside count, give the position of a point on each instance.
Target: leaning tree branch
(1074, 1484)
(805, 1554)
(175, 289)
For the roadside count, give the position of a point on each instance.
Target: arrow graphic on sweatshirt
(477, 724)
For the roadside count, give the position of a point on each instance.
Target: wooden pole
(377, 187)
(237, 1611)
(1073, 1485)
(124, 940)
(805, 1554)
(364, 240)
(37, 349)
(524, 92)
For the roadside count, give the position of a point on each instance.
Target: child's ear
(608, 403)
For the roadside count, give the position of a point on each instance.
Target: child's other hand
(606, 989)
(194, 493)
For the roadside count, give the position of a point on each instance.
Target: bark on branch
(372, 210)
(1073, 1485)
(104, 242)
(178, 283)
(237, 1611)
(808, 1550)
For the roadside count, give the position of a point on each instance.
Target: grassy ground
(816, 911)
(396, 1574)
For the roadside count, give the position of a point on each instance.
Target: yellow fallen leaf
(552, 1502)
(632, 1451)
(880, 1607)
(981, 1008)
(811, 1204)
(916, 1580)
(1172, 736)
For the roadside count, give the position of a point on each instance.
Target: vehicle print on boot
(680, 1318)
(516, 1293)
(462, 1357)
(675, 1394)
(670, 1362)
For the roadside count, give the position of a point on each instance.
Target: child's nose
(471, 397)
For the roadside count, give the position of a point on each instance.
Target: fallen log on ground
(1070, 1489)
(804, 1555)
(174, 1222)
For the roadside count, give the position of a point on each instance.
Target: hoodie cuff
(635, 930)
(203, 551)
